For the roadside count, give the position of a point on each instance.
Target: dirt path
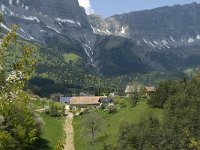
(69, 145)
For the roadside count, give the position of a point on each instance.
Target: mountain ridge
(135, 42)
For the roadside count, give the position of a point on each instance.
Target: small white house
(133, 88)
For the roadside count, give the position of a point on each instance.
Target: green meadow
(113, 121)
(53, 130)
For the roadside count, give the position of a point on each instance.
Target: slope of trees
(180, 127)
(143, 135)
(67, 70)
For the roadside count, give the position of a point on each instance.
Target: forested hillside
(179, 128)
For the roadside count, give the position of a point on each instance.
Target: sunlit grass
(113, 122)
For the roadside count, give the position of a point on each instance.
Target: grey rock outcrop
(40, 19)
(163, 27)
(164, 38)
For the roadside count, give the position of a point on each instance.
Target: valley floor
(113, 122)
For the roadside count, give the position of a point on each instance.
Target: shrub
(117, 100)
(73, 112)
(86, 111)
(112, 109)
(39, 124)
(108, 147)
(60, 145)
(2, 120)
(103, 106)
(7, 142)
(134, 99)
(55, 109)
(22, 124)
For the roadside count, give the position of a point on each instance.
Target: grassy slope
(71, 57)
(113, 122)
(53, 130)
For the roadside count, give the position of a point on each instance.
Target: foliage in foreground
(20, 127)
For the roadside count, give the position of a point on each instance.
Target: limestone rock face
(163, 39)
(41, 20)
(161, 28)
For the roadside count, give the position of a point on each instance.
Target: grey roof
(106, 100)
(65, 99)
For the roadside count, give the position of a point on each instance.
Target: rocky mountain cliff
(165, 38)
(45, 21)
(163, 27)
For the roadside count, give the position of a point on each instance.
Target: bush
(134, 99)
(39, 124)
(6, 141)
(117, 100)
(55, 109)
(73, 112)
(86, 111)
(23, 125)
(60, 145)
(108, 147)
(103, 106)
(112, 109)
(2, 120)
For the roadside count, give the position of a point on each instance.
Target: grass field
(52, 133)
(71, 57)
(113, 121)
